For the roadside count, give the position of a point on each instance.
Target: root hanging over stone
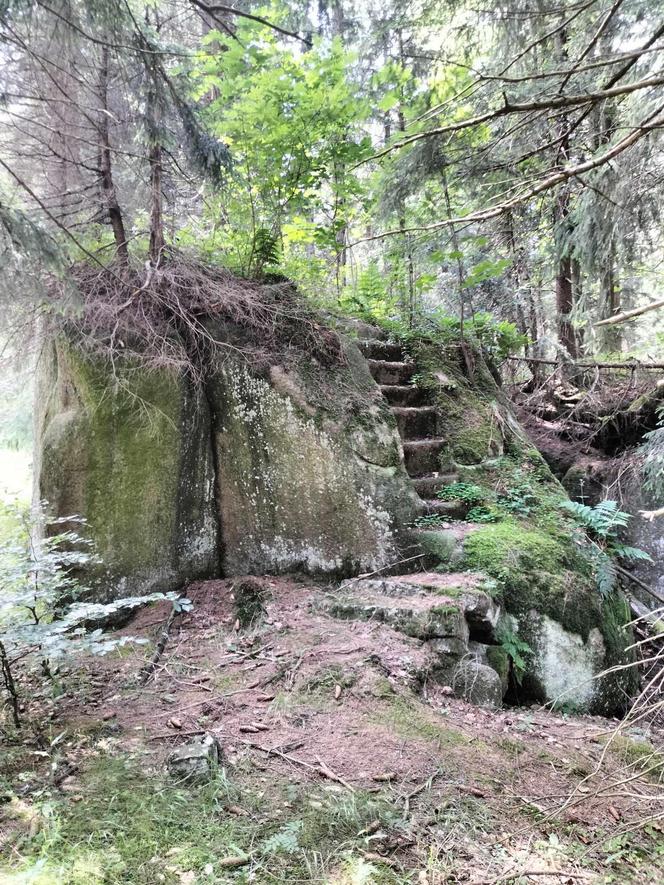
(162, 316)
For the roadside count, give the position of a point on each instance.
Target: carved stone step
(391, 372)
(446, 509)
(415, 422)
(448, 612)
(429, 486)
(403, 394)
(419, 592)
(381, 350)
(422, 456)
(423, 616)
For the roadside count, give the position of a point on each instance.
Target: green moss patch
(537, 570)
(412, 721)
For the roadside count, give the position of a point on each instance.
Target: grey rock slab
(197, 761)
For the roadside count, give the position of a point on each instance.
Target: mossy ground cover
(129, 825)
(434, 790)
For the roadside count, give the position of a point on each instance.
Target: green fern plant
(516, 649)
(601, 521)
(603, 524)
(369, 299)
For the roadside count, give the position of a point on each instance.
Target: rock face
(131, 455)
(259, 472)
(566, 665)
(643, 533)
(309, 468)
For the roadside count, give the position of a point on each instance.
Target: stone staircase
(451, 614)
(449, 611)
(417, 421)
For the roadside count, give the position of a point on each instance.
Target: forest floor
(339, 766)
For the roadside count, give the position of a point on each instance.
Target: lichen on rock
(317, 491)
(257, 470)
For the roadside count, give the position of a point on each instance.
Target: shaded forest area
(426, 162)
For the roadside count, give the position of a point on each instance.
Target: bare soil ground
(343, 763)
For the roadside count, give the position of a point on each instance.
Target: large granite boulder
(263, 468)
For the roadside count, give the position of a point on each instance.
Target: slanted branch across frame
(589, 364)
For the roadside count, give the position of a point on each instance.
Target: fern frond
(582, 512)
(606, 574)
(624, 551)
(603, 520)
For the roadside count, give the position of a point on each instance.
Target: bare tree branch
(212, 8)
(553, 103)
(630, 314)
(559, 176)
(594, 39)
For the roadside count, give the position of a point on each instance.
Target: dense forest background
(487, 166)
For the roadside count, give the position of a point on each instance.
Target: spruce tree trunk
(157, 241)
(611, 303)
(564, 271)
(410, 263)
(108, 194)
(564, 305)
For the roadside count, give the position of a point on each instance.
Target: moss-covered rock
(264, 469)
(549, 589)
(129, 450)
(520, 536)
(310, 473)
(473, 415)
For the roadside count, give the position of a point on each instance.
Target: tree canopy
(408, 160)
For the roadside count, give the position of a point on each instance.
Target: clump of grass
(639, 755)
(125, 827)
(325, 679)
(130, 827)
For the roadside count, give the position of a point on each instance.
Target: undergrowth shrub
(42, 617)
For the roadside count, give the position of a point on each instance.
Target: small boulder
(197, 761)
(477, 683)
